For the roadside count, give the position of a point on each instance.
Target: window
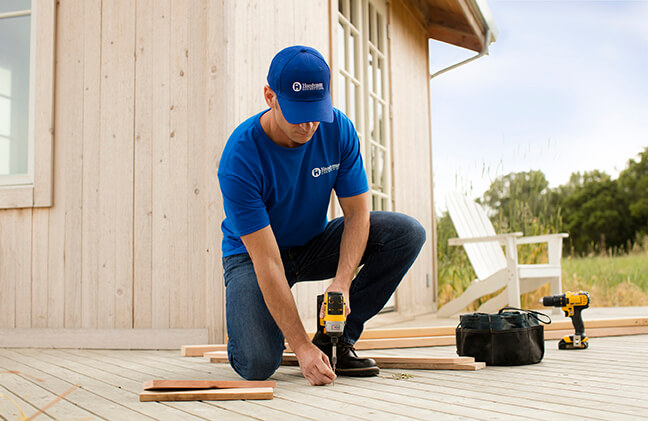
(15, 19)
(361, 87)
(26, 102)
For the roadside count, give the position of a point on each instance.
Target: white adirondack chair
(494, 267)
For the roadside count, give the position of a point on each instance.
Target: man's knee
(414, 230)
(254, 367)
(402, 227)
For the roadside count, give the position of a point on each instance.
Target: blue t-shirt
(288, 188)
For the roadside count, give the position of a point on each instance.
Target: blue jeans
(256, 344)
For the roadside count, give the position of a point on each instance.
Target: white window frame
(382, 197)
(368, 99)
(35, 189)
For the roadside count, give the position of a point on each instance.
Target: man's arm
(353, 243)
(264, 252)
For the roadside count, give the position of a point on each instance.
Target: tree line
(598, 212)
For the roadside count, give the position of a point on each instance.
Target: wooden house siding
(412, 155)
(146, 94)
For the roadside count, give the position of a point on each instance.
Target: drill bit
(334, 355)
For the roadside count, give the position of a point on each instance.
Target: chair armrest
(554, 245)
(500, 238)
(540, 238)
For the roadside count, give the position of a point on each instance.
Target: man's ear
(269, 96)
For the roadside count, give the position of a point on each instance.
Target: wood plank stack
(445, 335)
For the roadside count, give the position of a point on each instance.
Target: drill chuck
(554, 300)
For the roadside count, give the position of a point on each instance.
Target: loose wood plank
(422, 341)
(433, 366)
(387, 343)
(206, 384)
(199, 350)
(208, 395)
(415, 360)
(408, 332)
(419, 363)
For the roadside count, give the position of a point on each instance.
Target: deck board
(606, 381)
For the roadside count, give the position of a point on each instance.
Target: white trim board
(101, 338)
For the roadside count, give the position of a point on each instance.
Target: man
(276, 174)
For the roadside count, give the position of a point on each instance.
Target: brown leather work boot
(348, 362)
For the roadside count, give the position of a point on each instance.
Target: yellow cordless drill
(334, 320)
(573, 304)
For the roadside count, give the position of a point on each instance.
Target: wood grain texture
(161, 230)
(44, 86)
(39, 257)
(208, 395)
(7, 278)
(411, 150)
(145, 107)
(115, 287)
(22, 264)
(205, 384)
(197, 166)
(199, 350)
(404, 362)
(133, 238)
(218, 120)
(112, 381)
(100, 338)
(92, 123)
(66, 215)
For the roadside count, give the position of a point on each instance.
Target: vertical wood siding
(147, 93)
(411, 149)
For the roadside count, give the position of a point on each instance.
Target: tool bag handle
(535, 314)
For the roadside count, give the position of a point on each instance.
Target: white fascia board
(487, 16)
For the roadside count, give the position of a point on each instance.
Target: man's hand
(337, 287)
(314, 365)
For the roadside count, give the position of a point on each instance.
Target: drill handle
(577, 321)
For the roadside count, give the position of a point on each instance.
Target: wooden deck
(607, 381)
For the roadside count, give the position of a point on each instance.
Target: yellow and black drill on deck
(334, 320)
(573, 304)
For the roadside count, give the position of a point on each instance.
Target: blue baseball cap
(301, 79)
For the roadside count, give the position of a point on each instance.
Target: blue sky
(564, 89)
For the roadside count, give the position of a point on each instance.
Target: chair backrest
(470, 220)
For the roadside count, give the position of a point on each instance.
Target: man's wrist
(301, 346)
(342, 281)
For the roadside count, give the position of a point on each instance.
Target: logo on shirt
(324, 170)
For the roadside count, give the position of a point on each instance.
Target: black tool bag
(511, 337)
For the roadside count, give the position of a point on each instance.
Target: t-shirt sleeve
(351, 179)
(243, 204)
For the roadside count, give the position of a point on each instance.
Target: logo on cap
(297, 86)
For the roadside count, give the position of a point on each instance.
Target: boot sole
(358, 372)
